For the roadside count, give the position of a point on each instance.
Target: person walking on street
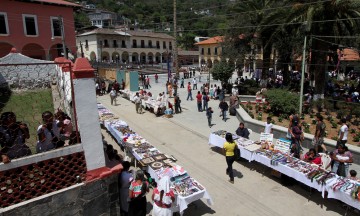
(194, 84)
(175, 86)
(209, 113)
(189, 92)
(137, 100)
(113, 96)
(198, 101)
(182, 83)
(156, 78)
(223, 107)
(205, 99)
(229, 150)
(148, 82)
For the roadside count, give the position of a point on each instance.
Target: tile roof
(128, 33)
(350, 55)
(150, 34)
(105, 31)
(213, 40)
(57, 2)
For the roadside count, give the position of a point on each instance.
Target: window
(215, 51)
(142, 44)
(202, 51)
(115, 45)
(157, 45)
(123, 44)
(134, 44)
(86, 43)
(209, 51)
(164, 45)
(170, 46)
(4, 27)
(30, 25)
(150, 44)
(56, 26)
(106, 43)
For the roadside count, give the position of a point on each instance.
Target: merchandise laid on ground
(157, 164)
(277, 157)
(149, 103)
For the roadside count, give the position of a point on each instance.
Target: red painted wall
(39, 46)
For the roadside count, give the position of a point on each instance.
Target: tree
(322, 18)
(222, 71)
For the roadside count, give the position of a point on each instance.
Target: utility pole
(302, 76)
(175, 55)
(61, 22)
(82, 51)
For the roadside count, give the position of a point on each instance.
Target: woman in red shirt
(312, 157)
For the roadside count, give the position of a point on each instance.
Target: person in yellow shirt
(229, 148)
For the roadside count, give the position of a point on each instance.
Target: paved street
(185, 136)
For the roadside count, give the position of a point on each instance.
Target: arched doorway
(33, 50)
(135, 57)
(55, 51)
(157, 58)
(142, 58)
(202, 62)
(115, 57)
(124, 57)
(93, 56)
(5, 49)
(150, 58)
(105, 56)
(209, 63)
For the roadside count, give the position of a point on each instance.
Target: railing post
(87, 114)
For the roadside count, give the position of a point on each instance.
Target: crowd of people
(56, 131)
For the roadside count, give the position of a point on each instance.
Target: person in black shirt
(242, 131)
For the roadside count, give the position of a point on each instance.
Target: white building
(102, 19)
(125, 46)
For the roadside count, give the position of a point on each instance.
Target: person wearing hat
(229, 150)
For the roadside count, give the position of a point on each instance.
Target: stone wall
(100, 197)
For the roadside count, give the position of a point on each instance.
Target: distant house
(33, 27)
(210, 51)
(102, 19)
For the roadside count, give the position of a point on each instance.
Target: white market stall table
(181, 202)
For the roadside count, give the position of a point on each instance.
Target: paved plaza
(185, 136)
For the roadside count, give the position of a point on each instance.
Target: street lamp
(303, 72)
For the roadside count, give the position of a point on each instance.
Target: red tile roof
(213, 40)
(350, 55)
(57, 2)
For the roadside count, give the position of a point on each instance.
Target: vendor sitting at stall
(312, 157)
(242, 131)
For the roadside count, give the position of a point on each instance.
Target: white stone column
(130, 57)
(87, 114)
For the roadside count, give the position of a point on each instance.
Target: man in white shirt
(137, 101)
(343, 133)
(113, 96)
(268, 126)
(194, 83)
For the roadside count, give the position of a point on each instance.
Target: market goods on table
(156, 163)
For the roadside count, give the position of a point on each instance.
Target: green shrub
(259, 117)
(313, 121)
(282, 101)
(280, 119)
(334, 124)
(334, 138)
